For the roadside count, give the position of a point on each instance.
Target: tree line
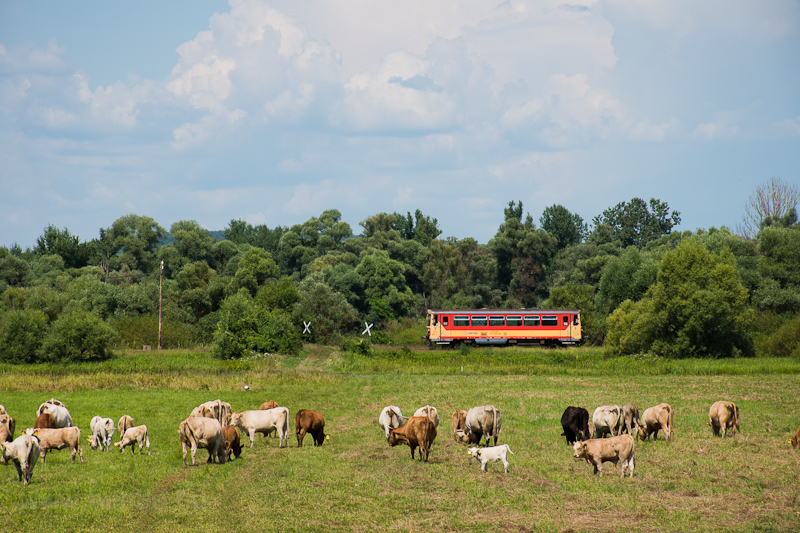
(643, 287)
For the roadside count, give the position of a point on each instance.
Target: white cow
(390, 418)
(102, 431)
(429, 411)
(23, 452)
(258, 421)
(482, 421)
(135, 434)
(60, 413)
(491, 454)
(217, 409)
(606, 419)
(202, 432)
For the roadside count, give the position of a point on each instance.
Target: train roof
(501, 311)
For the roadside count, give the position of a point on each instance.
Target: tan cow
(7, 428)
(417, 432)
(23, 452)
(58, 439)
(655, 419)
(723, 416)
(124, 424)
(606, 420)
(136, 434)
(599, 451)
(629, 422)
(459, 423)
(795, 441)
(202, 432)
(217, 409)
(429, 411)
(252, 422)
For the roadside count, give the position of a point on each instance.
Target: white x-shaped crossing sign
(306, 327)
(367, 331)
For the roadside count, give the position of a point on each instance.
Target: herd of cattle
(216, 428)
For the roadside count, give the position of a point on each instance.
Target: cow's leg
(194, 452)
(301, 434)
(252, 432)
(43, 454)
(505, 465)
(184, 453)
(19, 470)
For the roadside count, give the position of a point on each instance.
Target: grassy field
(355, 482)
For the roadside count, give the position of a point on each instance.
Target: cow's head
(3, 460)
(92, 442)
(794, 442)
(474, 452)
(396, 438)
(579, 450)
(461, 436)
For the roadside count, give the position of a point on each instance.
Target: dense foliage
(642, 287)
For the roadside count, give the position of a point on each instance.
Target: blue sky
(274, 111)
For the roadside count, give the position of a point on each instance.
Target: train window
(550, 320)
(461, 320)
(564, 320)
(435, 320)
(575, 320)
(514, 320)
(497, 320)
(444, 320)
(479, 321)
(531, 320)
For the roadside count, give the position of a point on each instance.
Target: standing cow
(124, 424)
(575, 422)
(482, 421)
(629, 422)
(102, 431)
(311, 422)
(598, 451)
(258, 421)
(232, 442)
(202, 432)
(459, 424)
(723, 416)
(23, 452)
(417, 432)
(61, 415)
(655, 419)
(606, 420)
(391, 417)
(429, 411)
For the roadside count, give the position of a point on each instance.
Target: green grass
(355, 482)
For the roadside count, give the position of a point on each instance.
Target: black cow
(575, 422)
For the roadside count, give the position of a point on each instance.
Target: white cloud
(722, 128)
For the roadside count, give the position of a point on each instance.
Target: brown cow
(7, 427)
(722, 416)
(58, 439)
(311, 422)
(795, 441)
(614, 449)
(655, 419)
(418, 431)
(232, 444)
(45, 421)
(459, 423)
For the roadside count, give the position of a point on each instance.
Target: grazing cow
(136, 434)
(45, 421)
(311, 422)
(606, 420)
(482, 421)
(598, 451)
(232, 444)
(102, 431)
(257, 421)
(58, 439)
(655, 419)
(60, 413)
(459, 422)
(391, 417)
(7, 428)
(202, 432)
(575, 422)
(722, 416)
(629, 422)
(417, 432)
(217, 409)
(429, 411)
(124, 424)
(51, 401)
(795, 441)
(492, 455)
(23, 452)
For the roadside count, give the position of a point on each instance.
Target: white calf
(491, 454)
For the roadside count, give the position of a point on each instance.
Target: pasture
(355, 482)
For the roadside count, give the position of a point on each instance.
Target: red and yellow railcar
(546, 327)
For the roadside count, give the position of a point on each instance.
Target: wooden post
(160, 297)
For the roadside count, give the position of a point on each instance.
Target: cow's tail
(426, 445)
(671, 429)
(735, 418)
(495, 423)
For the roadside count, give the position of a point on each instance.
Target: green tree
(627, 277)
(79, 336)
(61, 242)
(132, 240)
(255, 269)
(568, 228)
(328, 311)
(13, 270)
(385, 285)
(193, 242)
(21, 334)
(634, 224)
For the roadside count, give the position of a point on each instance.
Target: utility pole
(160, 299)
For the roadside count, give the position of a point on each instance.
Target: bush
(78, 336)
(785, 342)
(21, 334)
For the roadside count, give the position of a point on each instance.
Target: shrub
(21, 334)
(78, 336)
